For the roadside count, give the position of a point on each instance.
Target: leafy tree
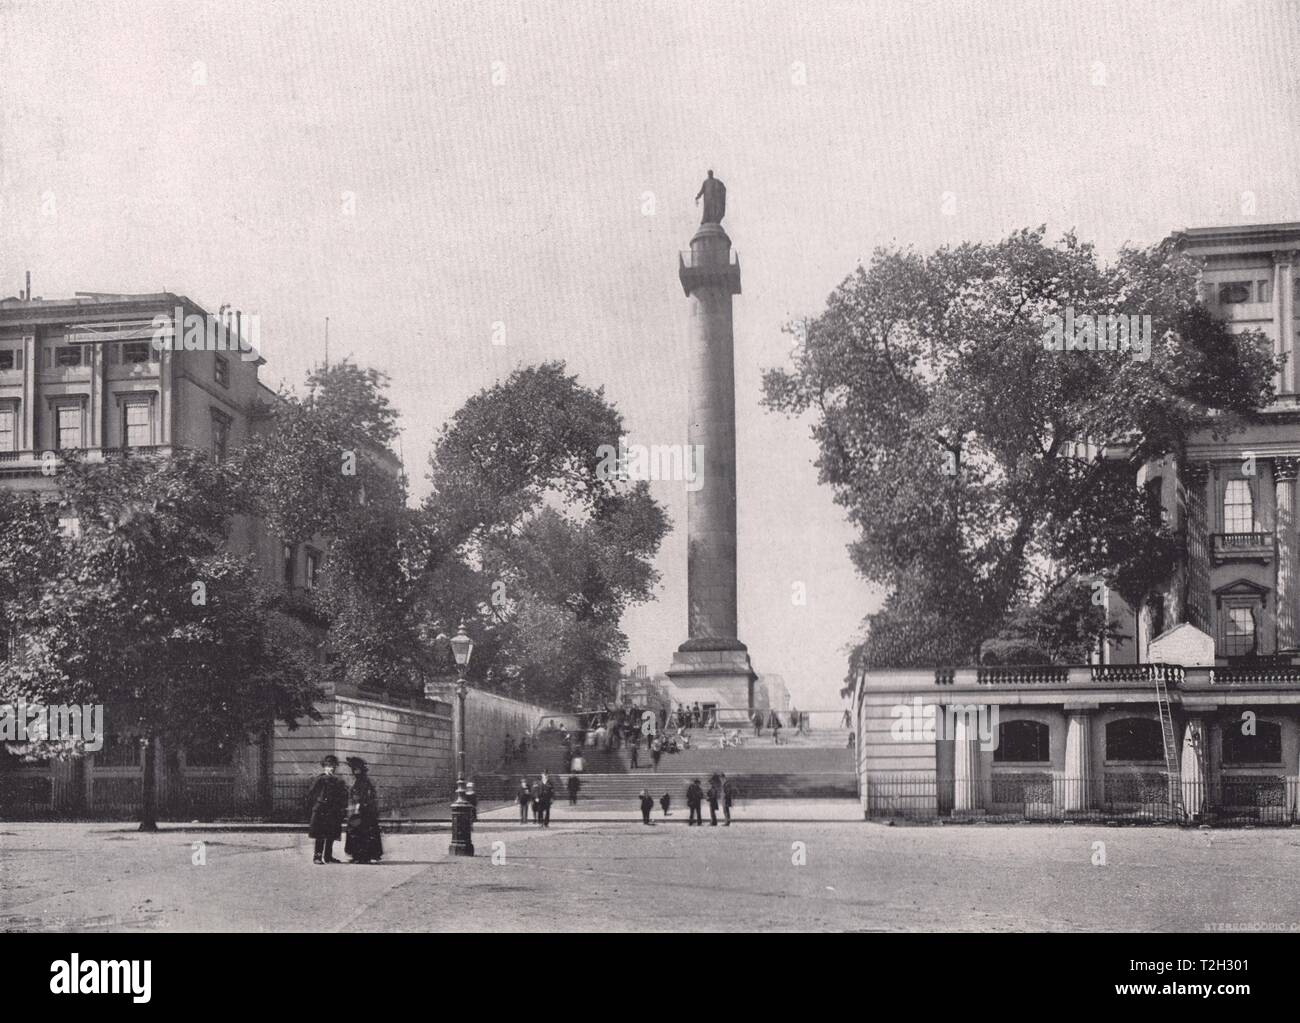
(322, 470)
(980, 468)
(146, 612)
(527, 536)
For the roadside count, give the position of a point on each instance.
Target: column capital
(1286, 469)
(1284, 257)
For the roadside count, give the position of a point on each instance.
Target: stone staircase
(813, 768)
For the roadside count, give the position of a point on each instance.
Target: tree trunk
(149, 802)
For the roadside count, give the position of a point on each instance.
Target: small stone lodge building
(1197, 715)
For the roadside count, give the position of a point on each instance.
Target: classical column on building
(1193, 768)
(1284, 310)
(1196, 594)
(1284, 477)
(966, 789)
(1078, 759)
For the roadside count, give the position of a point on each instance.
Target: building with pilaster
(1197, 714)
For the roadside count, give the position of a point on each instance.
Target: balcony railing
(1140, 676)
(1261, 675)
(1243, 546)
(29, 458)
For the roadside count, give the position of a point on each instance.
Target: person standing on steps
(524, 797)
(634, 747)
(665, 801)
(647, 804)
(694, 797)
(656, 751)
(328, 802)
(713, 804)
(574, 785)
(728, 797)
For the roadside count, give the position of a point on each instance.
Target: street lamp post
(462, 811)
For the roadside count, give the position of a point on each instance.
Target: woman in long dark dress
(327, 802)
(364, 844)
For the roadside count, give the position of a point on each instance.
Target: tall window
(1239, 632)
(288, 569)
(68, 424)
(313, 567)
(8, 434)
(137, 424)
(1262, 745)
(11, 358)
(220, 435)
(1238, 508)
(221, 371)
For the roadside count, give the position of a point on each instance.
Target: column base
(716, 672)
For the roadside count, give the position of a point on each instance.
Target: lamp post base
(462, 828)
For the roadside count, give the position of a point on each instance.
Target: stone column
(1284, 309)
(1193, 766)
(1284, 477)
(1078, 760)
(967, 793)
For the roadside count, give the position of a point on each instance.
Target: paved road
(607, 875)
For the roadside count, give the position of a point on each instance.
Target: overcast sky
(420, 172)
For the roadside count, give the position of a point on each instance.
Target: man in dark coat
(694, 797)
(647, 804)
(665, 801)
(728, 797)
(547, 795)
(635, 748)
(524, 797)
(471, 797)
(364, 844)
(328, 803)
(574, 785)
(713, 795)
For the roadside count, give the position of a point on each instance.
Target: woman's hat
(329, 760)
(356, 763)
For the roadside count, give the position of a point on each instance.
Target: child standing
(328, 802)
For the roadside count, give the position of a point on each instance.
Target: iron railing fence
(1110, 796)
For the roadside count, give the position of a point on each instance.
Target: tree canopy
(982, 469)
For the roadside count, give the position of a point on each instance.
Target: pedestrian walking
(656, 751)
(728, 797)
(665, 801)
(635, 747)
(574, 785)
(524, 797)
(328, 803)
(713, 796)
(647, 804)
(363, 844)
(694, 798)
(758, 723)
